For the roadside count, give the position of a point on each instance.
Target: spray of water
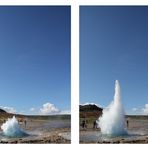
(112, 121)
(11, 128)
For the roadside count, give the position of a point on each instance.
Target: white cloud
(8, 109)
(22, 112)
(32, 109)
(49, 108)
(141, 111)
(134, 109)
(46, 109)
(145, 109)
(65, 112)
(87, 103)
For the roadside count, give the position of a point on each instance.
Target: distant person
(127, 123)
(25, 122)
(83, 124)
(95, 124)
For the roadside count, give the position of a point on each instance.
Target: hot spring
(12, 129)
(112, 121)
(112, 125)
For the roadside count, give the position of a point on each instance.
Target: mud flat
(137, 133)
(43, 130)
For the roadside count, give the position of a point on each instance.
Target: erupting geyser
(112, 121)
(11, 128)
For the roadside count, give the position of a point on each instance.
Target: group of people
(23, 121)
(95, 125)
(84, 124)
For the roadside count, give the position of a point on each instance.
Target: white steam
(11, 128)
(112, 122)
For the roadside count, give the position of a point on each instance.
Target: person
(25, 122)
(127, 123)
(94, 124)
(83, 124)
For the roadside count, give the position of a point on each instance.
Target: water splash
(11, 128)
(112, 121)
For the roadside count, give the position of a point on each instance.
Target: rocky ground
(42, 131)
(137, 129)
(137, 139)
(52, 137)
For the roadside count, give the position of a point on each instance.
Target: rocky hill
(2, 111)
(90, 110)
(4, 114)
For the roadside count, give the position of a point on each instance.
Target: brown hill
(2, 111)
(87, 111)
(4, 115)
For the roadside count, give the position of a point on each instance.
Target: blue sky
(114, 45)
(35, 57)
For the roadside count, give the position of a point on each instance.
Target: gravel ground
(137, 129)
(42, 131)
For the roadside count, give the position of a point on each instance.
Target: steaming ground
(112, 126)
(43, 130)
(137, 130)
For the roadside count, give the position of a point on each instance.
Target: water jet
(113, 127)
(112, 121)
(12, 129)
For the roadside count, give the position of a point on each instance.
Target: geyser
(112, 121)
(11, 128)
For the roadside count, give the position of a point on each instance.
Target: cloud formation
(145, 109)
(48, 109)
(32, 109)
(65, 112)
(87, 103)
(8, 109)
(141, 111)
